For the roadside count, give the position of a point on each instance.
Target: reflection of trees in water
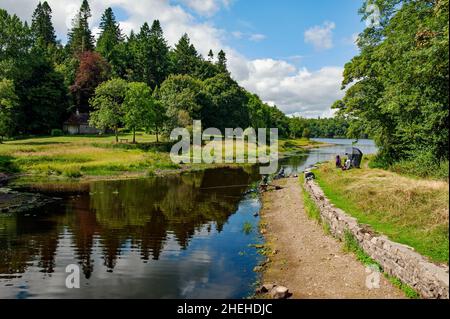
(23, 241)
(140, 212)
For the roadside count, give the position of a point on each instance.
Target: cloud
(206, 7)
(295, 91)
(254, 37)
(321, 37)
(257, 37)
(278, 81)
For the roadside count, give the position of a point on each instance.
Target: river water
(163, 237)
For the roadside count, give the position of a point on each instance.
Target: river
(162, 237)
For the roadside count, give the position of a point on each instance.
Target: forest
(125, 82)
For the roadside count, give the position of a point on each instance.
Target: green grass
(311, 208)
(409, 211)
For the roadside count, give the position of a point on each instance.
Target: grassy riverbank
(91, 157)
(407, 210)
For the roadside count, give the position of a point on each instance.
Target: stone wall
(428, 279)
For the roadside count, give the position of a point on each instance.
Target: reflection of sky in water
(215, 265)
(175, 237)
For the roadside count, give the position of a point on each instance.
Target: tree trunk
(134, 135)
(117, 134)
(157, 139)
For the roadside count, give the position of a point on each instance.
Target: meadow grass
(409, 211)
(91, 156)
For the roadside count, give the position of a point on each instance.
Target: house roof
(78, 118)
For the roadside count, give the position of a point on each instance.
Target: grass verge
(407, 210)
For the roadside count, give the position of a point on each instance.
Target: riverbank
(87, 158)
(409, 211)
(306, 260)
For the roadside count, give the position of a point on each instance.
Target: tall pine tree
(159, 55)
(185, 59)
(110, 36)
(80, 37)
(41, 26)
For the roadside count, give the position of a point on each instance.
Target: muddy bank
(18, 202)
(304, 259)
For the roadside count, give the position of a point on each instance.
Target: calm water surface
(172, 237)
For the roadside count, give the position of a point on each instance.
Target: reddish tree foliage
(93, 69)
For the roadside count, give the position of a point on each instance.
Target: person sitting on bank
(338, 162)
(347, 165)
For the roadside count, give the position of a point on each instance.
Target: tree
(44, 96)
(306, 133)
(227, 105)
(222, 61)
(80, 38)
(92, 70)
(151, 55)
(8, 108)
(107, 105)
(138, 107)
(183, 100)
(398, 84)
(185, 59)
(159, 55)
(42, 27)
(110, 38)
(160, 117)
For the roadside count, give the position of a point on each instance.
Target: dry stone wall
(428, 279)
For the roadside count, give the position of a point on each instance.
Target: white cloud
(321, 37)
(295, 91)
(257, 37)
(206, 7)
(279, 82)
(254, 37)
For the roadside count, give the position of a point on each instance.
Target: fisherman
(338, 161)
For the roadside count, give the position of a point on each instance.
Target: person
(348, 164)
(338, 161)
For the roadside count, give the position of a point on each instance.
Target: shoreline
(303, 258)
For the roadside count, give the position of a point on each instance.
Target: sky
(289, 52)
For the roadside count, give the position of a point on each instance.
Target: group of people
(345, 166)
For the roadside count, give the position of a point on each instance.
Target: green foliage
(8, 108)
(107, 105)
(41, 26)
(185, 59)
(56, 132)
(80, 38)
(138, 107)
(351, 244)
(398, 84)
(110, 40)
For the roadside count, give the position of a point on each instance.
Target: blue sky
(289, 52)
(283, 24)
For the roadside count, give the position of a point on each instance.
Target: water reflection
(174, 233)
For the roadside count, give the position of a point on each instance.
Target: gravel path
(307, 261)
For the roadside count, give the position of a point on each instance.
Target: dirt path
(309, 262)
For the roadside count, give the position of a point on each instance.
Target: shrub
(56, 132)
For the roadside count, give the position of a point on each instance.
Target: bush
(422, 164)
(56, 132)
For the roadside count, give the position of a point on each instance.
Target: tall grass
(408, 210)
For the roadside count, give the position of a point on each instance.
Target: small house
(78, 123)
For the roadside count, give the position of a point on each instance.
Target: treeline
(42, 81)
(398, 85)
(135, 81)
